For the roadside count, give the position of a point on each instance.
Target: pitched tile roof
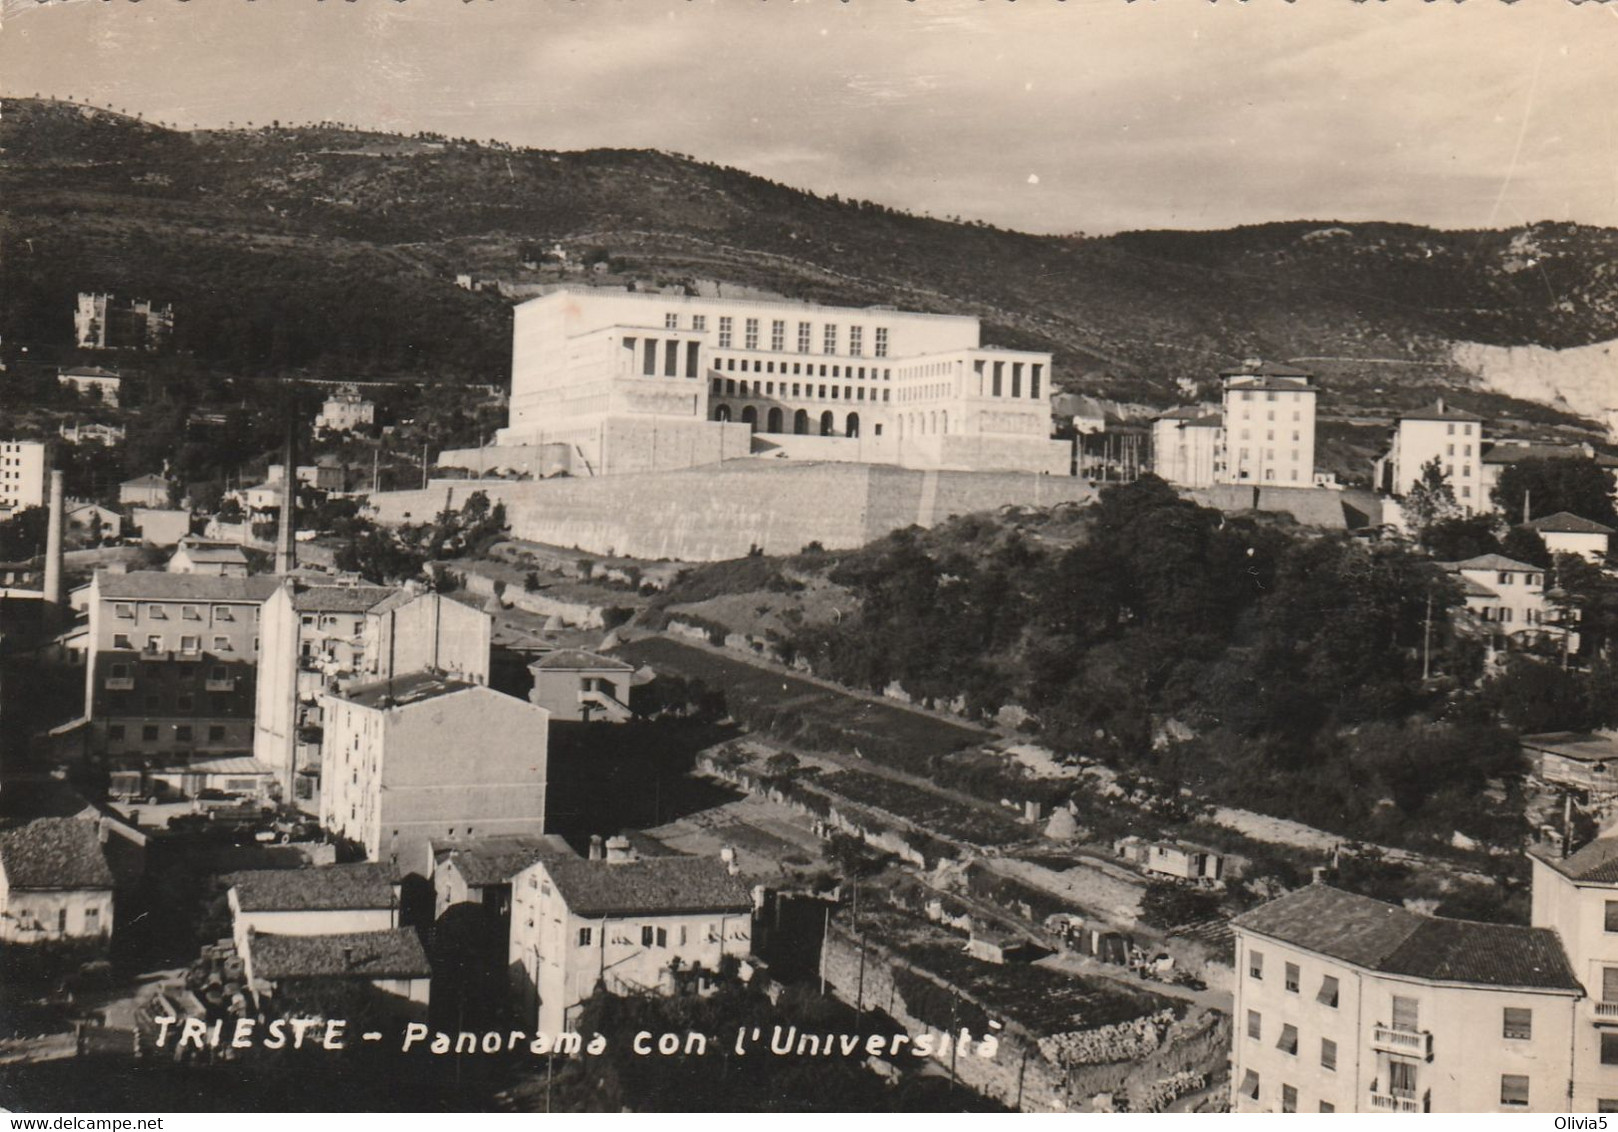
(648, 886)
(495, 860)
(339, 599)
(1596, 862)
(1515, 453)
(1393, 940)
(393, 954)
(578, 660)
(1565, 522)
(160, 585)
(214, 552)
(1492, 562)
(54, 854)
(323, 889)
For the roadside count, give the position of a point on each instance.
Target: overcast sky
(1084, 115)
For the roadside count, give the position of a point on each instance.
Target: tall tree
(1580, 486)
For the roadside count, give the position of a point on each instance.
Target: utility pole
(1427, 640)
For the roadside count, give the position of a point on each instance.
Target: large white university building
(606, 382)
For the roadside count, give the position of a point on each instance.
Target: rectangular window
(856, 336)
(92, 921)
(154, 643)
(1255, 965)
(1288, 1042)
(778, 335)
(127, 612)
(221, 644)
(725, 323)
(805, 337)
(1611, 923)
(1328, 1054)
(1255, 1025)
(1292, 977)
(182, 732)
(1607, 1104)
(1609, 1047)
(882, 341)
(646, 935)
(190, 644)
(584, 937)
(1518, 1024)
(148, 733)
(1514, 1090)
(190, 613)
(121, 641)
(216, 733)
(671, 321)
(1402, 1078)
(1250, 1085)
(699, 322)
(829, 341)
(751, 339)
(1328, 991)
(1406, 1014)
(158, 613)
(662, 937)
(1289, 1099)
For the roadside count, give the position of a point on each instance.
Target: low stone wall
(726, 510)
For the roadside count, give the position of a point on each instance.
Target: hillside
(337, 249)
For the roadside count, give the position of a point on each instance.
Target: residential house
(23, 474)
(104, 435)
(393, 961)
(1577, 896)
(318, 637)
(422, 756)
(1508, 597)
(624, 923)
(55, 883)
(1186, 446)
(170, 665)
(104, 322)
(103, 383)
(573, 684)
(1566, 533)
(1268, 411)
(198, 556)
(329, 900)
(90, 522)
(1346, 1004)
(161, 526)
(344, 411)
(1453, 437)
(144, 491)
(478, 870)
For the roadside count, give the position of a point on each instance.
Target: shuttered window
(1609, 984)
(1514, 1090)
(1328, 1054)
(1328, 991)
(1518, 1024)
(1288, 1042)
(1250, 1085)
(1406, 1014)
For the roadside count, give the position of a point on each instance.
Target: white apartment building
(621, 382)
(344, 411)
(1453, 437)
(23, 477)
(315, 638)
(1347, 1004)
(622, 923)
(423, 757)
(1269, 426)
(1577, 896)
(1186, 444)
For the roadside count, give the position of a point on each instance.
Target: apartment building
(423, 757)
(344, 411)
(23, 475)
(1186, 444)
(1268, 438)
(318, 637)
(170, 665)
(1348, 1004)
(105, 322)
(1441, 432)
(626, 382)
(620, 922)
(1577, 897)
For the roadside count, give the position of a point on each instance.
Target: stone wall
(723, 511)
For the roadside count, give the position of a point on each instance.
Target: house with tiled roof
(392, 960)
(622, 922)
(579, 685)
(1507, 599)
(1506, 453)
(1567, 533)
(1348, 1004)
(478, 870)
(55, 883)
(328, 900)
(198, 556)
(150, 490)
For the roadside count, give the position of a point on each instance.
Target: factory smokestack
(285, 552)
(53, 547)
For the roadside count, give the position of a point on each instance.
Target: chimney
(618, 851)
(53, 548)
(348, 958)
(1440, 406)
(597, 851)
(285, 552)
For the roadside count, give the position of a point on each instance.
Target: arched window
(774, 421)
(750, 418)
(828, 424)
(800, 422)
(852, 427)
(721, 412)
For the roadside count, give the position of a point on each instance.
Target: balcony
(1386, 1102)
(1607, 1012)
(1411, 1043)
(119, 684)
(226, 685)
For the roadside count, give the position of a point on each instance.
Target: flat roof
(405, 690)
(784, 304)
(1581, 746)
